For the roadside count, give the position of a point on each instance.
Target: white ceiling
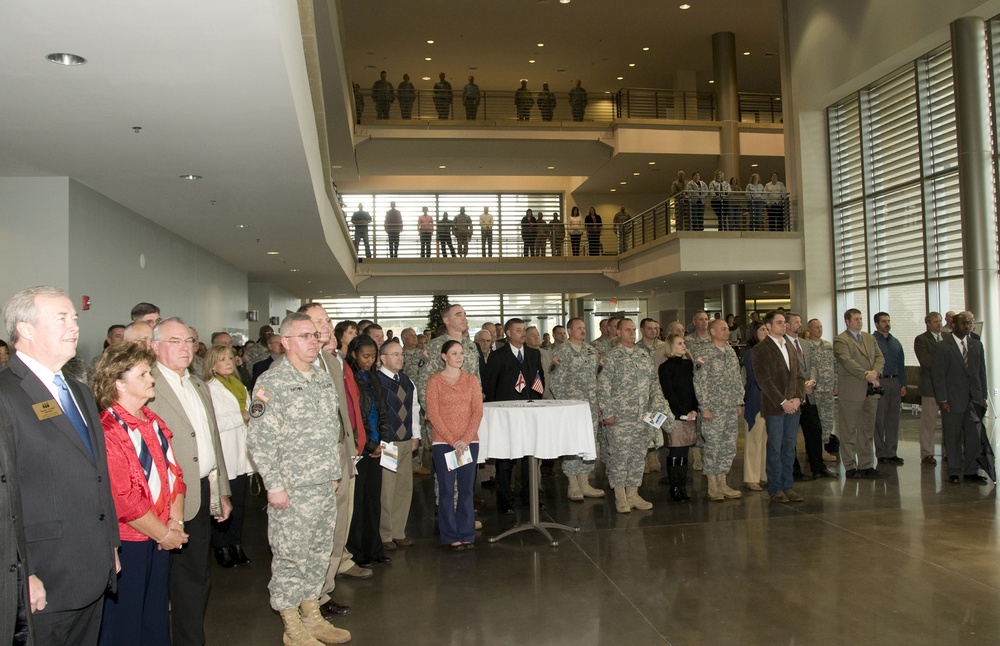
(213, 87)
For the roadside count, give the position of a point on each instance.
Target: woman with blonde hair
(230, 401)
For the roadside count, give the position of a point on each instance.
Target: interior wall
(269, 301)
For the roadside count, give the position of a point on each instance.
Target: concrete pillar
(734, 298)
(975, 169)
(727, 104)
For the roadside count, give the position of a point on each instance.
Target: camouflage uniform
(576, 378)
(293, 436)
(257, 352)
(602, 345)
(697, 346)
(825, 373)
(719, 388)
(628, 388)
(653, 351)
(413, 361)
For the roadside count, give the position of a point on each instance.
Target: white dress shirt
(194, 408)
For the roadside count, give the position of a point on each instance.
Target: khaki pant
(928, 423)
(397, 494)
(345, 509)
(755, 451)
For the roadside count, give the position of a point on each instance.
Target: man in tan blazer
(859, 364)
(345, 493)
(184, 403)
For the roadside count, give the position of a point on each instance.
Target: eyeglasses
(305, 336)
(176, 341)
(393, 354)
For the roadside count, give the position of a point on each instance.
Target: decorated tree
(435, 317)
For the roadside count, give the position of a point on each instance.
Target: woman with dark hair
(574, 226)
(594, 223)
(455, 408)
(677, 383)
(755, 442)
(363, 538)
(148, 489)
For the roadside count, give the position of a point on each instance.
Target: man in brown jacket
(782, 389)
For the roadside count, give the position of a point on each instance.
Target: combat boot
(635, 501)
(696, 458)
(725, 489)
(574, 493)
(295, 633)
(652, 462)
(320, 628)
(621, 501)
(713, 488)
(585, 487)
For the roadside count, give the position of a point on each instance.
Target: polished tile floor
(909, 559)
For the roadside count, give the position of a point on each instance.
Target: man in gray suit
(70, 524)
(923, 347)
(344, 494)
(958, 370)
(184, 403)
(859, 363)
(15, 617)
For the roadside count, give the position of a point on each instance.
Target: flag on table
(537, 385)
(519, 386)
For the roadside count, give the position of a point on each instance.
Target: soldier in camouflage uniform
(413, 361)
(649, 342)
(609, 331)
(293, 436)
(719, 388)
(627, 388)
(697, 344)
(259, 351)
(574, 376)
(825, 374)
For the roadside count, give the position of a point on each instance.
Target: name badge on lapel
(47, 409)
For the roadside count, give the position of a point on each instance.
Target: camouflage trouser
(301, 538)
(626, 454)
(824, 402)
(574, 465)
(719, 437)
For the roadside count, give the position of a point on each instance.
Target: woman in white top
(574, 226)
(230, 400)
(719, 188)
(774, 195)
(755, 193)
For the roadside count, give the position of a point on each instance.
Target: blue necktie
(72, 413)
(520, 357)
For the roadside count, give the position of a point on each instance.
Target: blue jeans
(456, 524)
(782, 431)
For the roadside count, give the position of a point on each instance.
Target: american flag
(536, 385)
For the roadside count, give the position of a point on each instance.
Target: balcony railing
(627, 103)
(509, 238)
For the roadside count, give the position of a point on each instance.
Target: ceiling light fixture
(425, 78)
(241, 226)
(190, 177)
(631, 64)
(635, 174)
(563, 1)
(430, 42)
(746, 53)
(645, 49)
(271, 253)
(620, 78)
(541, 44)
(427, 58)
(531, 61)
(685, 6)
(623, 183)
(442, 166)
(710, 82)
(652, 163)
(614, 190)
(551, 167)
(61, 58)
(754, 165)
(294, 270)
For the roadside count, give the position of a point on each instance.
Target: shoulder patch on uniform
(263, 395)
(256, 408)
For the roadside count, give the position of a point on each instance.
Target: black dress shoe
(224, 555)
(240, 555)
(871, 473)
(954, 479)
(853, 474)
(506, 510)
(364, 564)
(332, 609)
(978, 479)
(800, 477)
(383, 560)
(824, 473)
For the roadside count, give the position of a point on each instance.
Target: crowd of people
(383, 95)
(120, 492)
(755, 207)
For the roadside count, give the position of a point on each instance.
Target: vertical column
(975, 170)
(734, 298)
(727, 102)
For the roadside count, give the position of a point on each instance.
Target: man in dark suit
(70, 524)
(859, 363)
(275, 350)
(511, 372)
(782, 389)
(15, 616)
(958, 370)
(184, 403)
(923, 347)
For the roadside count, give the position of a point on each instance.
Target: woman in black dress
(593, 223)
(677, 383)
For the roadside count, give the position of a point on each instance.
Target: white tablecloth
(543, 428)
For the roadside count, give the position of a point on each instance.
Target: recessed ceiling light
(746, 53)
(614, 190)
(191, 177)
(427, 58)
(271, 253)
(652, 163)
(336, 167)
(631, 64)
(607, 91)
(442, 166)
(710, 82)
(623, 183)
(754, 165)
(531, 61)
(645, 49)
(685, 6)
(241, 226)
(425, 78)
(781, 273)
(635, 174)
(620, 78)
(61, 58)
(430, 42)
(293, 270)
(563, 1)
(551, 167)
(541, 44)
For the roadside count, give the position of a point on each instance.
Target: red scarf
(354, 408)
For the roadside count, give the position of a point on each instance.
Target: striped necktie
(72, 413)
(965, 352)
